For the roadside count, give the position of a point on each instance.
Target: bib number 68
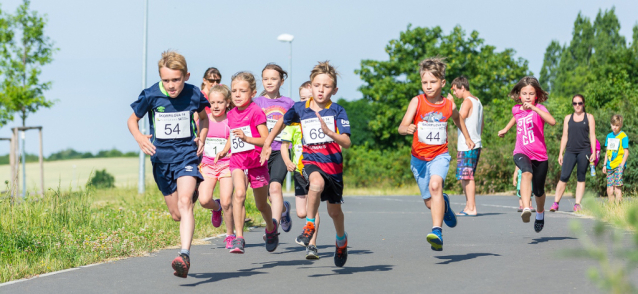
(317, 134)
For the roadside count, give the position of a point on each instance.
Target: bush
(101, 180)
(364, 167)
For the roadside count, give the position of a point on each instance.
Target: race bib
(432, 133)
(298, 152)
(613, 144)
(312, 132)
(238, 145)
(214, 146)
(270, 123)
(172, 125)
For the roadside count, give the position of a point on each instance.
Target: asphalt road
(495, 252)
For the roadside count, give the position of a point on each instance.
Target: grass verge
(623, 215)
(74, 228)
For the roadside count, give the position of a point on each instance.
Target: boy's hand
(200, 146)
(290, 166)
(411, 129)
(605, 169)
(502, 133)
(324, 126)
(470, 144)
(239, 134)
(265, 154)
(145, 144)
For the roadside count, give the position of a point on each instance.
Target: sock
(437, 229)
(540, 215)
(341, 240)
(310, 220)
(185, 251)
(231, 235)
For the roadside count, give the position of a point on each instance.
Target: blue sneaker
(286, 222)
(449, 217)
(436, 240)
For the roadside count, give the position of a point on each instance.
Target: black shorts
(277, 167)
(538, 170)
(570, 160)
(332, 188)
(301, 185)
(166, 174)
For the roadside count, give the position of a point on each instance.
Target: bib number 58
(238, 143)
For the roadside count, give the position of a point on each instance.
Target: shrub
(101, 180)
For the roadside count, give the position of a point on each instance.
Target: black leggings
(570, 160)
(538, 170)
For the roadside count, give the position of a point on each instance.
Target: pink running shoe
(216, 218)
(555, 207)
(229, 241)
(576, 207)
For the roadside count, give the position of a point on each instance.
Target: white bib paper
(270, 123)
(238, 145)
(172, 125)
(298, 152)
(432, 133)
(312, 132)
(613, 144)
(214, 146)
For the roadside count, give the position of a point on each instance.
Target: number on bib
(270, 123)
(172, 125)
(432, 133)
(214, 146)
(238, 145)
(313, 133)
(613, 144)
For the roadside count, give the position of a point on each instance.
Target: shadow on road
(216, 277)
(355, 270)
(547, 239)
(350, 252)
(489, 213)
(298, 248)
(463, 257)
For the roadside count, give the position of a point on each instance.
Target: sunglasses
(577, 103)
(212, 81)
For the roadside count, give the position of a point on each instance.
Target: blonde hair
(541, 95)
(247, 77)
(173, 60)
(305, 85)
(616, 120)
(224, 91)
(434, 65)
(324, 68)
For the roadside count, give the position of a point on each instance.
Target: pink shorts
(215, 171)
(257, 176)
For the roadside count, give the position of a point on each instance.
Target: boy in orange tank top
(426, 119)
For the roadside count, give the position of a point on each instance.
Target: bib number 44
(432, 133)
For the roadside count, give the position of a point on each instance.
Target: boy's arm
(407, 127)
(203, 132)
(342, 139)
(461, 124)
(285, 154)
(624, 158)
(605, 162)
(143, 140)
(509, 125)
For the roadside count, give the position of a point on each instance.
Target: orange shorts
(215, 171)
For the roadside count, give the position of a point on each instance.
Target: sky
(97, 72)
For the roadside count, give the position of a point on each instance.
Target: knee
(205, 202)
(240, 195)
(435, 186)
(316, 185)
(274, 188)
(301, 214)
(262, 205)
(226, 206)
(527, 176)
(176, 216)
(335, 213)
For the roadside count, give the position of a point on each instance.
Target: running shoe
(181, 264)
(554, 207)
(312, 252)
(538, 225)
(286, 222)
(577, 207)
(436, 240)
(229, 241)
(216, 218)
(238, 245)
(449, 218)
(527, 213)
(341, 254)
(306, 235)
(520, 209)
(272, 239)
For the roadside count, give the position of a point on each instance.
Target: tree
(389, 85)
(22, 61)
(6, 35)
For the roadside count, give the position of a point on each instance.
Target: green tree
(389, 85)
(22, 61)
(359, 113)
(6, 35)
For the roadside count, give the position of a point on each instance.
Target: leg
(313, 240)
(239, 198)
(469, 187)
(206, 189)
(171, 203)
(540, 204)
(334, 210)
(261, 201)
(315, 188)
(569, 162)
(526, 189)
(185, 189)
(560, 190)
(618, 192)
(300, 205)
(437, 202)
(225, 197)
(276, 200)
(610, 194)
(580, 191)
(581, 175)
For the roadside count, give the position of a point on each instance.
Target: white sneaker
(526, 214)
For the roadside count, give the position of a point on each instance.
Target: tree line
(69, 153)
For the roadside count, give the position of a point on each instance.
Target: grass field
(75, 173)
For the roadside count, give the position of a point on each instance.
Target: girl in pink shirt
(530, 152)
(215, 167)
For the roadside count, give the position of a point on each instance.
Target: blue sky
(96, 73)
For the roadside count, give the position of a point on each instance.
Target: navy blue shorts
(166, 174)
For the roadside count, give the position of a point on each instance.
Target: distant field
(74, 173)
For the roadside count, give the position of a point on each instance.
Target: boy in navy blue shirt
(174, 144)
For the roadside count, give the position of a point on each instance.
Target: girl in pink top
(248, 132)
(214, 166)
(530, 152)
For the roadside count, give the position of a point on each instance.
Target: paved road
(388, 253)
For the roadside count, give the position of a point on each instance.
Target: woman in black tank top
(578, 143)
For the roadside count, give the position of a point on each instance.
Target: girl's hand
(514, 181)
(502, 133)
(265, 154)
(220, 155)
(239, 134)
(528, 106)
(200, 146)
(411, 129)
(145, 144)
(560, 159)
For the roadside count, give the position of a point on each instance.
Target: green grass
(69, 229)
(623, 215)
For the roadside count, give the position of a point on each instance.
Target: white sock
(540, 215)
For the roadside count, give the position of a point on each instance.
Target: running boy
(325, 128)
(617, 145)
(426, 118)
(292, 135)
(173, 143)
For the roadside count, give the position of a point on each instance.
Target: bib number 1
(214, 146)
(238, 145)
(432, 133)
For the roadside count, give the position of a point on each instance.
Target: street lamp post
(141, 184)
(287, 38)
